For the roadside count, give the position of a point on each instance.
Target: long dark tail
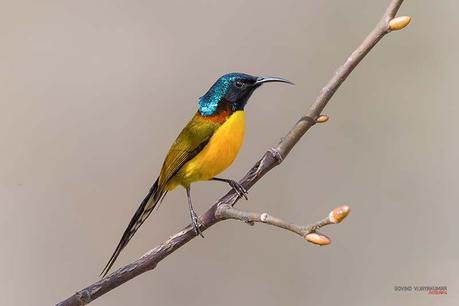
(153, 197)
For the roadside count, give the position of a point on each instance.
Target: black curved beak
(261, 80)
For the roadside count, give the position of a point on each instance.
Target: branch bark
(269, 160)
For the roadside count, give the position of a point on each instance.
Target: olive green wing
(191, 140)
(188, 144)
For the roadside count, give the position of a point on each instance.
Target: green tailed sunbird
(206, 146)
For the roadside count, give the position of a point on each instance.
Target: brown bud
(322, 119)
(318, 239)
(399, 23)
(338, 214)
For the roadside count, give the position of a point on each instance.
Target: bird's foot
(196, 223)
(240, 190)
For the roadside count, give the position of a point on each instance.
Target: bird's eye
(239, 84)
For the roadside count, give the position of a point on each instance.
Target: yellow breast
(218, 154)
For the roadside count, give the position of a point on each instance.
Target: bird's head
(234, 89)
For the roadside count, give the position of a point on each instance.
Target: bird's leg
(193, 215)
(240, 190)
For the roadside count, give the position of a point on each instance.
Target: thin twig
(269, 160)
(251, 217)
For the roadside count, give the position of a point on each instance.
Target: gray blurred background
(93, 93)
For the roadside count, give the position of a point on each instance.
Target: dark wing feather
(141, 214)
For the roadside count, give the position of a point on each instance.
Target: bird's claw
(196, 224)
(240, 190)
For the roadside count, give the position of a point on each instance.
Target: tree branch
(308, 232)
(269, 160)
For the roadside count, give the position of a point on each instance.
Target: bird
(205, 147)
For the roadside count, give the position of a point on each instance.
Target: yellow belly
(217, 155)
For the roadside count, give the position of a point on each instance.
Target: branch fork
(309, 232)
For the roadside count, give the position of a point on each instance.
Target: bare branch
(335, 216)
(269, 160)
